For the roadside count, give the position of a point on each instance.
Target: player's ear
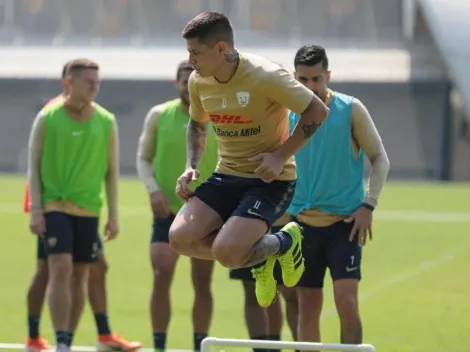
(221, 47)
(295, 74)
(328, 75)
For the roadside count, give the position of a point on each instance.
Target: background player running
(73, 150)
(160, 161)
(96, 283)
(330, 201)
(246, 98)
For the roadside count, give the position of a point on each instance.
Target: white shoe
(62, 347)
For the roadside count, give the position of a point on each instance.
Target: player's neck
(184, 107)
(77, 107)
(228, 69)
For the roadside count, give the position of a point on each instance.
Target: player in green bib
(160, 161)
(73, 150)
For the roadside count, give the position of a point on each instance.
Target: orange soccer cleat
(112, 342)
(37, 344)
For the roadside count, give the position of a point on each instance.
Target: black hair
(182, 67)
(209, 28)
(311, 55)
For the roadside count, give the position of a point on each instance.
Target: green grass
(415, 295)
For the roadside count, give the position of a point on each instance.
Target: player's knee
(290, 296)
(42, 271)
(98, 271)
(60, 268)
(310, 301)
(162, 277)
(180, 238)
(202, 282)
(226, 256)
(347, 305)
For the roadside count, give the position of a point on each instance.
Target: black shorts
(244, 274)
(41, 251)
(329, 247)
(71, 234)
(161, 229)
(246, 197)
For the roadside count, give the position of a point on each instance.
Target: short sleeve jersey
(249, 113)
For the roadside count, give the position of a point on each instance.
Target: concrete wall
(408, 116)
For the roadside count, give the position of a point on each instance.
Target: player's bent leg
(59, 247)
(192, 231)
(344, 259)
(35, 299)
(201, 274)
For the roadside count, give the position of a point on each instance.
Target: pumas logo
(243, 99)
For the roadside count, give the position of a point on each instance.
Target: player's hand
(182, 185)
(270, 168)
(37, 224)
(160, 205)
(111, 229)
(362, 219)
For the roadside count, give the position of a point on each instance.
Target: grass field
(415, 296)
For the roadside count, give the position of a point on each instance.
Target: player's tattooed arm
(196, 142)
(309, 128)
(310, 121)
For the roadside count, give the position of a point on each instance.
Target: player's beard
(184, 98)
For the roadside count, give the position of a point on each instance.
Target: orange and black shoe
(38, 344)
(114, 342)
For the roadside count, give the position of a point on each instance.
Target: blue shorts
(41, 250)
(161, 229)
(75, 235)
(329, 247)
(246, 197)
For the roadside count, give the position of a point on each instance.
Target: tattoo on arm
(196, 141)
(310, 129)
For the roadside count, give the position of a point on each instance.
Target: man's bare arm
(368, 139)
(146, 150)
(35, 149)
(112, 176)
(310, 121)
(195, 142)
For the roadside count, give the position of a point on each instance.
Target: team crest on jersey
(243, 99)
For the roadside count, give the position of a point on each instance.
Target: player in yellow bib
(160, 161)
(247, 99)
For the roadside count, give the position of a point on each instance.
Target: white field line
(382, 215)
(406, 275)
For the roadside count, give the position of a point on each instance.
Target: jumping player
(96, 283)
(160, 161)
(330, 201)
(266, 323)
(246, 98)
